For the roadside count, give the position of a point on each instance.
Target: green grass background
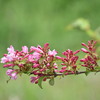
(33, 22)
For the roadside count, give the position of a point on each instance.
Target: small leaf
(87, 72)
(97, 68)
(40, 81)
(51, 81)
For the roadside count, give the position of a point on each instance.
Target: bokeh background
(33, 22)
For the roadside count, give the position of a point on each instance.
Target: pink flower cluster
(41, 61)
(90, 60)
(69, 62)
(37, 61)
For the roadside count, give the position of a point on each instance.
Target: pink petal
(11, 49)
(52, 53)
(25, 49)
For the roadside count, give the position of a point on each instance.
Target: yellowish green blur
(33, 22)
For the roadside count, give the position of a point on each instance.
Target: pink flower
(4, 60)
(11, 49)
(36, 49)
(12, 74)
(25, 49)
(9, 72)
(33, 79)
(8, 58)
(11, 57)
(52, 53)
(30, 58)
(36, 55)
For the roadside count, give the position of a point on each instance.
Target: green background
(33, 22)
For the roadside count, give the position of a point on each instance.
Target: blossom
(42, 63)
(90, 46)
(4, 60)
(69, 62)
(10, 56)
(9, 72)
(25, 49)
(36, 55)
(30, 58)
(12, 74)
(37, 49)
(11, 49)
(90, 60)
(52, 53)
(33, 79)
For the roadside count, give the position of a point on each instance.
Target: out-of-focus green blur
(33, 22)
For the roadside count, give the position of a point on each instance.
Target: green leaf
(51, 81)
(40, 81)
(87, 72)
(97, 68)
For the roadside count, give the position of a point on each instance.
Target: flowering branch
(61, 74)
(44, 64)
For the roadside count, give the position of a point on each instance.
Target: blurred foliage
(84, 25)
(32, 22)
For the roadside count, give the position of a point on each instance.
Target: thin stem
(60, 74)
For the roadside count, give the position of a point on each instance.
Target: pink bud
(48, 64)
(83, 60)
(36, 65)
(85, 65)
(76, 52)
(46, 45)
(70, 52)
(33, 79)
(84, 50)
(41, 70)
(64, 67)
(35, 72)
(61, 71)
(56, 71)
(45, 79)
(55, 67)
(8, 65)
(83, 44)
(66, 73)
(20, 65)
(58, 57)
(63, 64)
